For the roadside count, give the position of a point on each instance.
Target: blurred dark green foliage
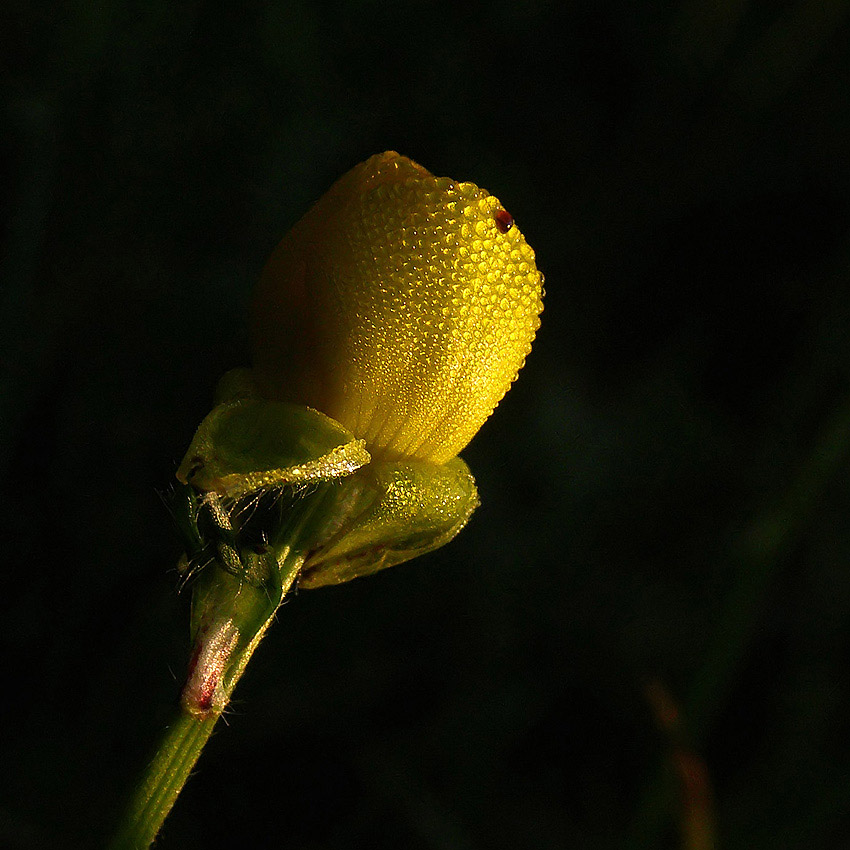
(664, 491)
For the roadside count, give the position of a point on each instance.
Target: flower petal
(402, 305)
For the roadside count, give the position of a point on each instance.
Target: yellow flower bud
(402, 305)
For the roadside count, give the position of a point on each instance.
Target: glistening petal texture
(401, 306)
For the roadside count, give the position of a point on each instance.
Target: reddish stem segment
(203, 689)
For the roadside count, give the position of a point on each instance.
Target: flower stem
(213, 674)
(165, 778)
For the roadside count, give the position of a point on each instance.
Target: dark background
(665, 495)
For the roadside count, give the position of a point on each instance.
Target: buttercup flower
(386, 327)
(402, 305)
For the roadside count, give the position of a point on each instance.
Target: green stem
(166, 775)
(185, 738)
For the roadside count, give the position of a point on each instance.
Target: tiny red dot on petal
(504, 221)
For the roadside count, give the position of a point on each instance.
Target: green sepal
(253, 462)
(250, 443)
(389, 512)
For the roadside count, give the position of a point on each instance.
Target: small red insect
(504, 221)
